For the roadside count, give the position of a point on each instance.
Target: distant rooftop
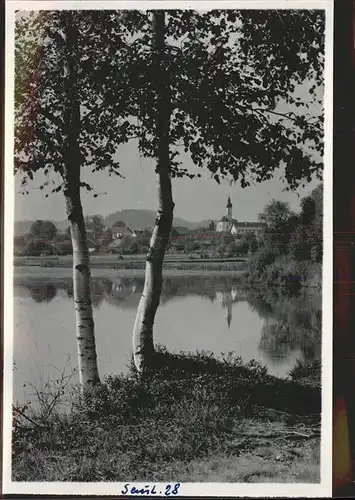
(236, 223)
(119, 223)
(248, 224)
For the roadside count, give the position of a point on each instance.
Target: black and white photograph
(168, 262)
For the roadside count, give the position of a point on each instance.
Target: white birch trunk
(85, 335)
(143, 345)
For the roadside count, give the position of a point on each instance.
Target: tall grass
(189, 409)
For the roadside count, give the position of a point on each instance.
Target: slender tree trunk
(85, 335)
(143, 346)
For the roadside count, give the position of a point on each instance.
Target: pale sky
(195, 199)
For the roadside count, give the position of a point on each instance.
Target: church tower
(229, 209)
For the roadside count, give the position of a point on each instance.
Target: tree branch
(23, 414)
(286, 116)
(54, 119)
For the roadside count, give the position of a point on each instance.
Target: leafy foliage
(36, 247)
(233, 114)
(291, 250)
(227, 100)
(307, 241)
(41, 100)
(280, 224)
(45, 229)
(226, 104)
(96, 225)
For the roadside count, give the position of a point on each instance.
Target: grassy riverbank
(23, 274)
(193, 419)
(113, 263)
(256, 271)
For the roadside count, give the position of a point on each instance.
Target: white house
(242, 228)
(120, 230)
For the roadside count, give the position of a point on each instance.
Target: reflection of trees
(292, 322)
(276, 341)
(97, 293)
(42, 292)
(170, 290)
(258, 303)
(126, 292)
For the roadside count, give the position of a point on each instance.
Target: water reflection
(42, 292)
(290, 323)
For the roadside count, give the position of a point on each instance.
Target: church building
(229, 225)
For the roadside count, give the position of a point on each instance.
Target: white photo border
(324, 488)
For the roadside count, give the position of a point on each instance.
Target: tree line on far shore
(289, 244)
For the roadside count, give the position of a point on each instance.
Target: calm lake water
(196, 313)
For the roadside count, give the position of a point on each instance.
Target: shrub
(36, 247)
(262, 258)
(303, 370)
(237, 248)
(63, 248)
(286, 272)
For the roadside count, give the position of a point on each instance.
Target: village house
(120, 230)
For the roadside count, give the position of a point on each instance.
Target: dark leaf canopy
(245, 90)
(234, 93)
(42, 53)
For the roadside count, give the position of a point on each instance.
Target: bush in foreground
(308, 372)
(190, 408)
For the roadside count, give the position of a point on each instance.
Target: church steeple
(229, 209)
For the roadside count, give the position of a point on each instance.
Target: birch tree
(143, 347)
(64, 121)
(224, 86)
